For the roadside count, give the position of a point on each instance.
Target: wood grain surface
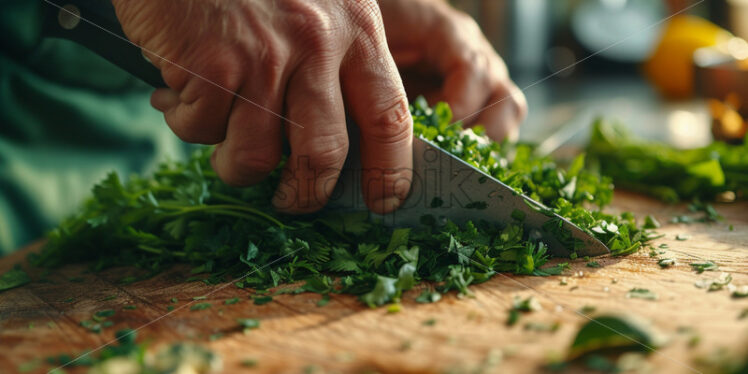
(465, 334)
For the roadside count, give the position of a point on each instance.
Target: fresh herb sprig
(665, 172)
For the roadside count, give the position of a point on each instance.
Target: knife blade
(444, 187)
(448, 188)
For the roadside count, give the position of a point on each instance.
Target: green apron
(67, 117)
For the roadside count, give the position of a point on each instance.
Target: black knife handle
(94, 24)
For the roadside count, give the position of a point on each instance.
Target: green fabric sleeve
(67, 117)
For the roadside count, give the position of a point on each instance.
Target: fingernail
(386, 204)
(284, 197)
(513, 135)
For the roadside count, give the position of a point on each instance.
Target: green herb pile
(127, 356)
(184, 214)
(667, 173)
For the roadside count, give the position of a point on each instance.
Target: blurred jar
(738, 17)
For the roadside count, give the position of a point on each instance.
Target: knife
(443, 187)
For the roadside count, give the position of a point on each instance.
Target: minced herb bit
(249, 362)
(607, 332)
(682, 237)
(542, 327)
(693, 341)
(513, 317)
(641, 293)
(13, 278)
(529, 304)
(701, 267)
(593, 264)
(650, 222)
(520, 305)
(129, 307)
(183, 213)
(262, 300)
(96, 325)
(324, 300)
(710, 214)
(105, 313)
(394, 308)
(740, 292)
(232, 301)
(248, 323)
(666, 262)
(714, 284)
(428, 296)
(200, 306)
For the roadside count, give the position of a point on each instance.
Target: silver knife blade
(451, 189)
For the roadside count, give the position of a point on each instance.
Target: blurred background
(650, 64)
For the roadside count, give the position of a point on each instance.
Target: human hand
(242, 74)
(443, 54)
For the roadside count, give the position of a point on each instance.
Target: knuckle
(522, 108)
(311, 25)
(368, 29)
(327, 152)
(273, 59)
(222, 69)
(245, 162)
(392, 125)
(518, 101)
(366, 16)
(195, 131)
(207, 138)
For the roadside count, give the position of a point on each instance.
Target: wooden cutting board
(462, 335)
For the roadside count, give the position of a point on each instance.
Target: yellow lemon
(670, 68)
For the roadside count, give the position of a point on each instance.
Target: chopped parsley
(183, 213)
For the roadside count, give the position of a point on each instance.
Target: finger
(196, 107)
(318, 150)
(376, 99)
(252, 148)
(466, 88)
(503, 113)
(164, 99)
